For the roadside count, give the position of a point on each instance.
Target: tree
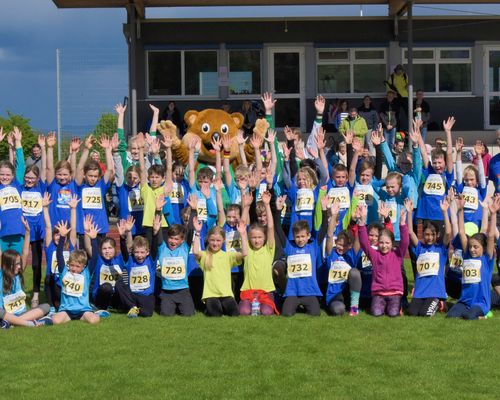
(30, 137)
(106, 126)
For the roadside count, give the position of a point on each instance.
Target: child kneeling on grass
(13, 310)
(387, 279)
(216, 265)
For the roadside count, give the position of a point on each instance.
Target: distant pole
(410, 64)
(58, 79)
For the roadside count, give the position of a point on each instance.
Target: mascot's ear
(238, 119)
(190, 116)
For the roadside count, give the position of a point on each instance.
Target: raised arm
(445, 205)
(458, 159)
(226, 144)
(448, 124)
(461, 226)
(63, 229)
(480, 166)
(217, 145)
(241, 147)
(72, 203)
(109, 175)
(154, 121)
(196, 243)
(26, 244)
(43, 172)
(117, 161)
(266, 199)
(141, 142)
(409, 210)
(46, 218)
(191, 166)
(256, 142)
(242, 230)
(167, 142)
(320, 145)
(20, 163)
(358, 149)
(89, 142)
(221, 216)
(494, 207)
(271, 136)
(376, 138)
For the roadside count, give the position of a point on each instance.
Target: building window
(244, 72)
(351, 70)
(441, 70)
(185, 72)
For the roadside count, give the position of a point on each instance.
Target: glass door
(287, 80)
(492, 88)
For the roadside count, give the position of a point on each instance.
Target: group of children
(290, 232)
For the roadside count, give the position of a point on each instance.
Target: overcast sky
(32, 30)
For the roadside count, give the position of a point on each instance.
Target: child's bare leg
(14, 320)
(60, 318)
(90, 317)
(36, 313)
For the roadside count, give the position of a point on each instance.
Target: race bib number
(15, 303)
(105, 275)
(364, 193)
(434, 185)
(177, 194)
(173, 268)
(305, 200)
(73, 284)
(365, 261)
(139, 278)
(339, 271)
(457, 261)
(340, 195)
(32, 203)
(92, 198)
(53, 264)
(201, 209)
(393, 210)
(428, 264)
(135, 202)
(471, 198)
(233, 241)
(9, 199)
(471, 272)
(262, 189)
(299, 266)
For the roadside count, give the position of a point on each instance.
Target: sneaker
(102, 313)
(52, 311)
(354, 312)
(44, 321)
(489, 315)
(4, 324)
(133, 312)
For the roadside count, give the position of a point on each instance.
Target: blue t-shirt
(206, 208)
(431, 263)
(60, 195)
(434, 190)
(141, 276)
(394, 204)
(33, 210)
(93, 202)
(178, 199)
(51, 258)
(193, 266)
(130, 203)
(476, 281)
(11, 210)
(343, 195)
(173, 266)
(494, 172)
(301, 267)
(105, 272)
(473, 211)
(368, 194)
(365, 268)
(75, 291)
(338, 273)
(232, 243)
(13, 302)
(303, 204)
(456, 261)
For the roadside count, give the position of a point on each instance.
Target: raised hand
(105, 142)
(335, 208)
(266, 197)
(197, 224)
(18, 135)
(256, 141)
(40, 141)
(205, 189)
(160, 202)
(155, 110)
(121, 227)
(217, 144)
(448, 124)
(193, 201)
(115, 142)
(62, 227)
(26, 224)
(320, 138)
(154, 146)
(89, 142)
(325, 202)
(120, 109)
(319, 104)
(253, 180)
(383, 210)
(280, 202)
(286, 151)
(494, 206)
(46, 199)
(87, 222)
(2, 135)
(299, 150)
(288, 133)
(93, 231)
(139, 140)
(156, 223)
(348, 136)
(129, 223)
(408, 204)
(218, 185)
(226, 142)
(444, 204)
(246, 199)
(242, 227)
(376, 137)
(73, 202)
(357, 146)
(312, 152)
(240, 138)
(267, 99)
(51, 139)
(74, 145)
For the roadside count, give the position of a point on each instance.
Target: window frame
(436, 60)
(183, 95)
(351, 61)
(251, 96)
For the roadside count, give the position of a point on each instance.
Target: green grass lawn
(253, 357)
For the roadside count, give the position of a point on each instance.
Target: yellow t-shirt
(218, 278)
(149, 195)
(258, 269)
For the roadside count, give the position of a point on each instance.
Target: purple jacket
(386, 267)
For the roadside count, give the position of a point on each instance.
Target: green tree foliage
(106, 126)
(30, 137)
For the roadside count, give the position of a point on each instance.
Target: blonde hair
(396, 176)
(241, 172)
(78, 257)
(310, 175)
(471, 169)
(216, 230)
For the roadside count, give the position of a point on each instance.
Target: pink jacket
(386, 267)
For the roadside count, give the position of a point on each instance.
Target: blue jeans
(460, 310)
(390, 137)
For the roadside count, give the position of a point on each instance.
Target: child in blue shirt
(477, 270)
(432, 255)
(302, 285)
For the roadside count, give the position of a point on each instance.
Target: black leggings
(218, 306)
(36, 264)
(146, 304)
(52, 292)
(423, 307)
(310, 303)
